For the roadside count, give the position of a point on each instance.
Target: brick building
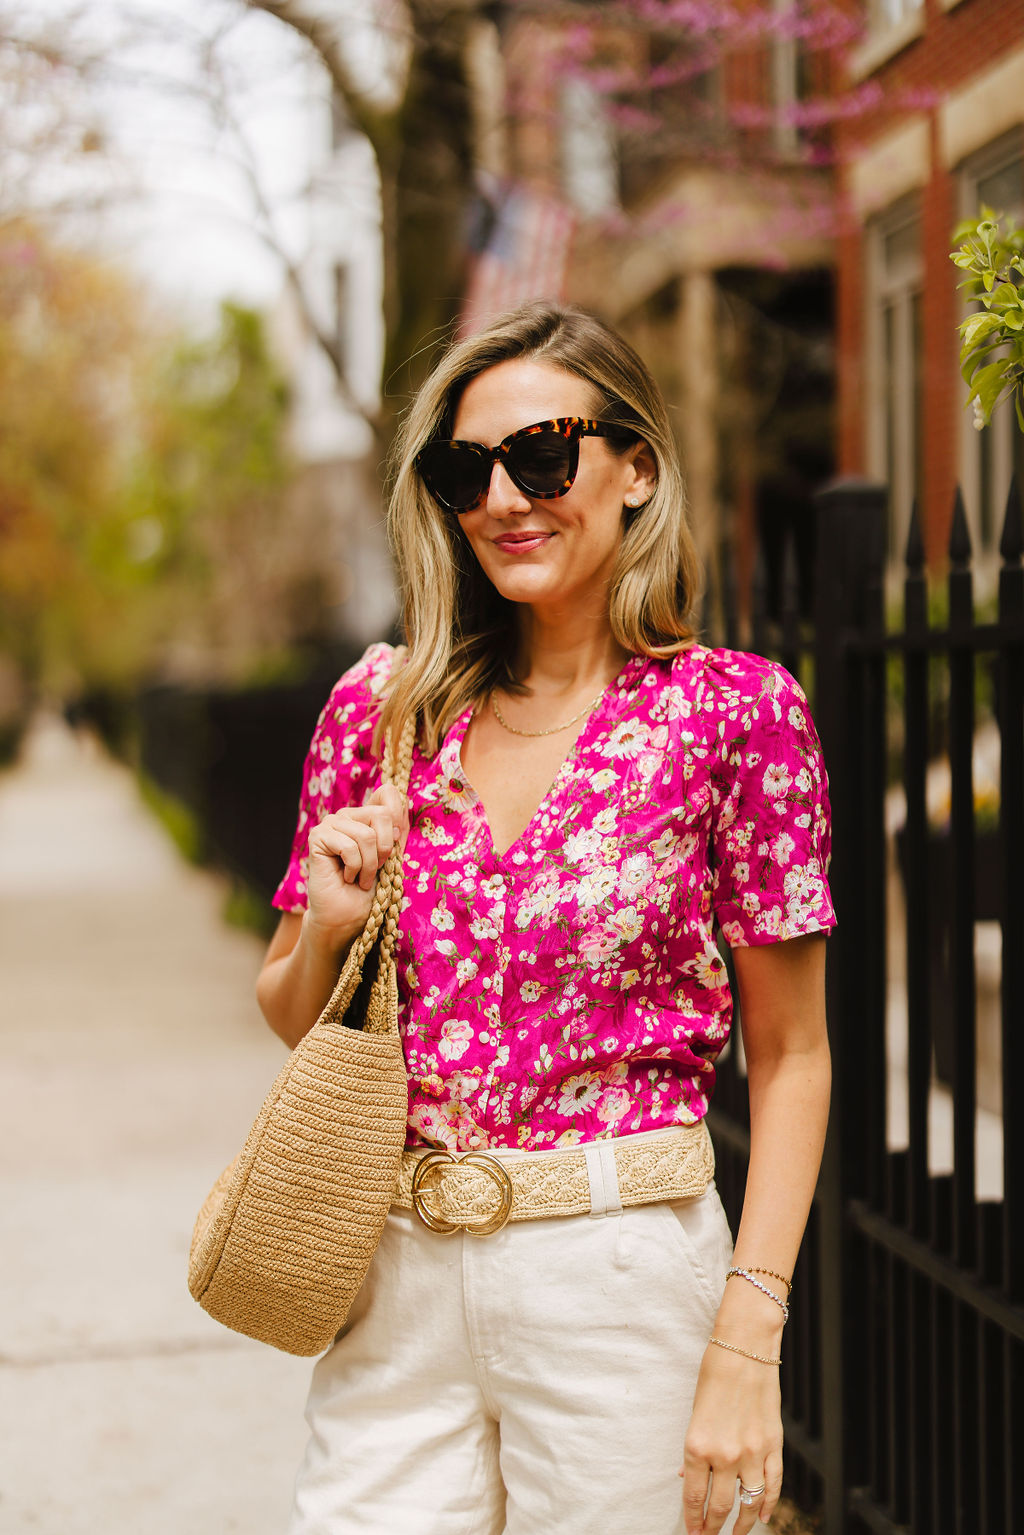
(704, 212)
(773, 232)
(946, 134)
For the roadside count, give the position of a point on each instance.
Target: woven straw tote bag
(286, 1235)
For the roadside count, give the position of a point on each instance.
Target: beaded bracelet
(734, 1349)
(748, 1275)
(772, 1275)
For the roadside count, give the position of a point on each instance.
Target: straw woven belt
(480, 1191)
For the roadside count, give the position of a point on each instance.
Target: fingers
(773, 1484)
(395, 803)
(361, 839)
(705, 1514)
(354, 846)
(752, 1478)
(696, 1479)
(720, 1503)
(708, 1521)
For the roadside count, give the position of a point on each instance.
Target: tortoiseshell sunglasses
(541, 460)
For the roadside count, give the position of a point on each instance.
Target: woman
(592, 792)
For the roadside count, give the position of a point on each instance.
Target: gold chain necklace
(554, 729)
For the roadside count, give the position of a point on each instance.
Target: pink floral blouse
(572, 988)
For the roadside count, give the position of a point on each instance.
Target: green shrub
(181, 824)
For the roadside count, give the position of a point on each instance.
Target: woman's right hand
(345, 852)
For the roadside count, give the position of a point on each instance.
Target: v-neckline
(613, 688)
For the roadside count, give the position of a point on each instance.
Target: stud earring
(632, 500)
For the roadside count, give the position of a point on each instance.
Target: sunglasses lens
(539, 463)
(454, 475)
(457, 474)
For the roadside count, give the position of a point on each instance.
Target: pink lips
(522, 543)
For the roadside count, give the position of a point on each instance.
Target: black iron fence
(233, 757)
(903, 1376)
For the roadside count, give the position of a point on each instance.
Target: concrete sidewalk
(134, 1058)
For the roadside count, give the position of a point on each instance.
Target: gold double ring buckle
(423, 1183)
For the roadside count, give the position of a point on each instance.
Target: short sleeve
(339, 762)
(771, 819)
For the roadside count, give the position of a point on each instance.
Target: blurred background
(234, 235)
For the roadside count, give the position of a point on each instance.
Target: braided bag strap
(387, 897)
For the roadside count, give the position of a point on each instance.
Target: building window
(671, 112)
(895, 357)
(590, 165)
(993, 178)
(889, 13)
(790, 85)
(892, 25)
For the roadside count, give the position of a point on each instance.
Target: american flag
(524, 256)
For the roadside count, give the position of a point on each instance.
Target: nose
(504, 498)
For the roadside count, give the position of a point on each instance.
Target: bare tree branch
(376, 123)
(246, 162)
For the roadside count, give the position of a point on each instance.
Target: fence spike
(914, 554)
(759, 600)
(790, 593)
(959, 536)
(789, 605)
(730, 598)
(1011, 545)
(706, 606)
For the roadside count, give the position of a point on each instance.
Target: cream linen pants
(537, 1381)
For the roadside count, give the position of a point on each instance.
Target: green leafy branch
(992, 337)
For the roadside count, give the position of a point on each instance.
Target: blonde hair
(461, 632)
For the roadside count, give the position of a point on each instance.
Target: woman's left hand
(735, 1431)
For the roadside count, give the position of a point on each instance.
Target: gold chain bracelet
(733, 1349)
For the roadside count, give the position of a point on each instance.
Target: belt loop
(605, 1198)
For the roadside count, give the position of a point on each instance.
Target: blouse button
(472, 1140)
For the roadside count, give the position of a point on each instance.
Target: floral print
(573, 987)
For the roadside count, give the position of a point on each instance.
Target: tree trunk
(432, 180)
(425, 159)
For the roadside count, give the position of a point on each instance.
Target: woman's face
(549, 554)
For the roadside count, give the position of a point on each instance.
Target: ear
(642, 477)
